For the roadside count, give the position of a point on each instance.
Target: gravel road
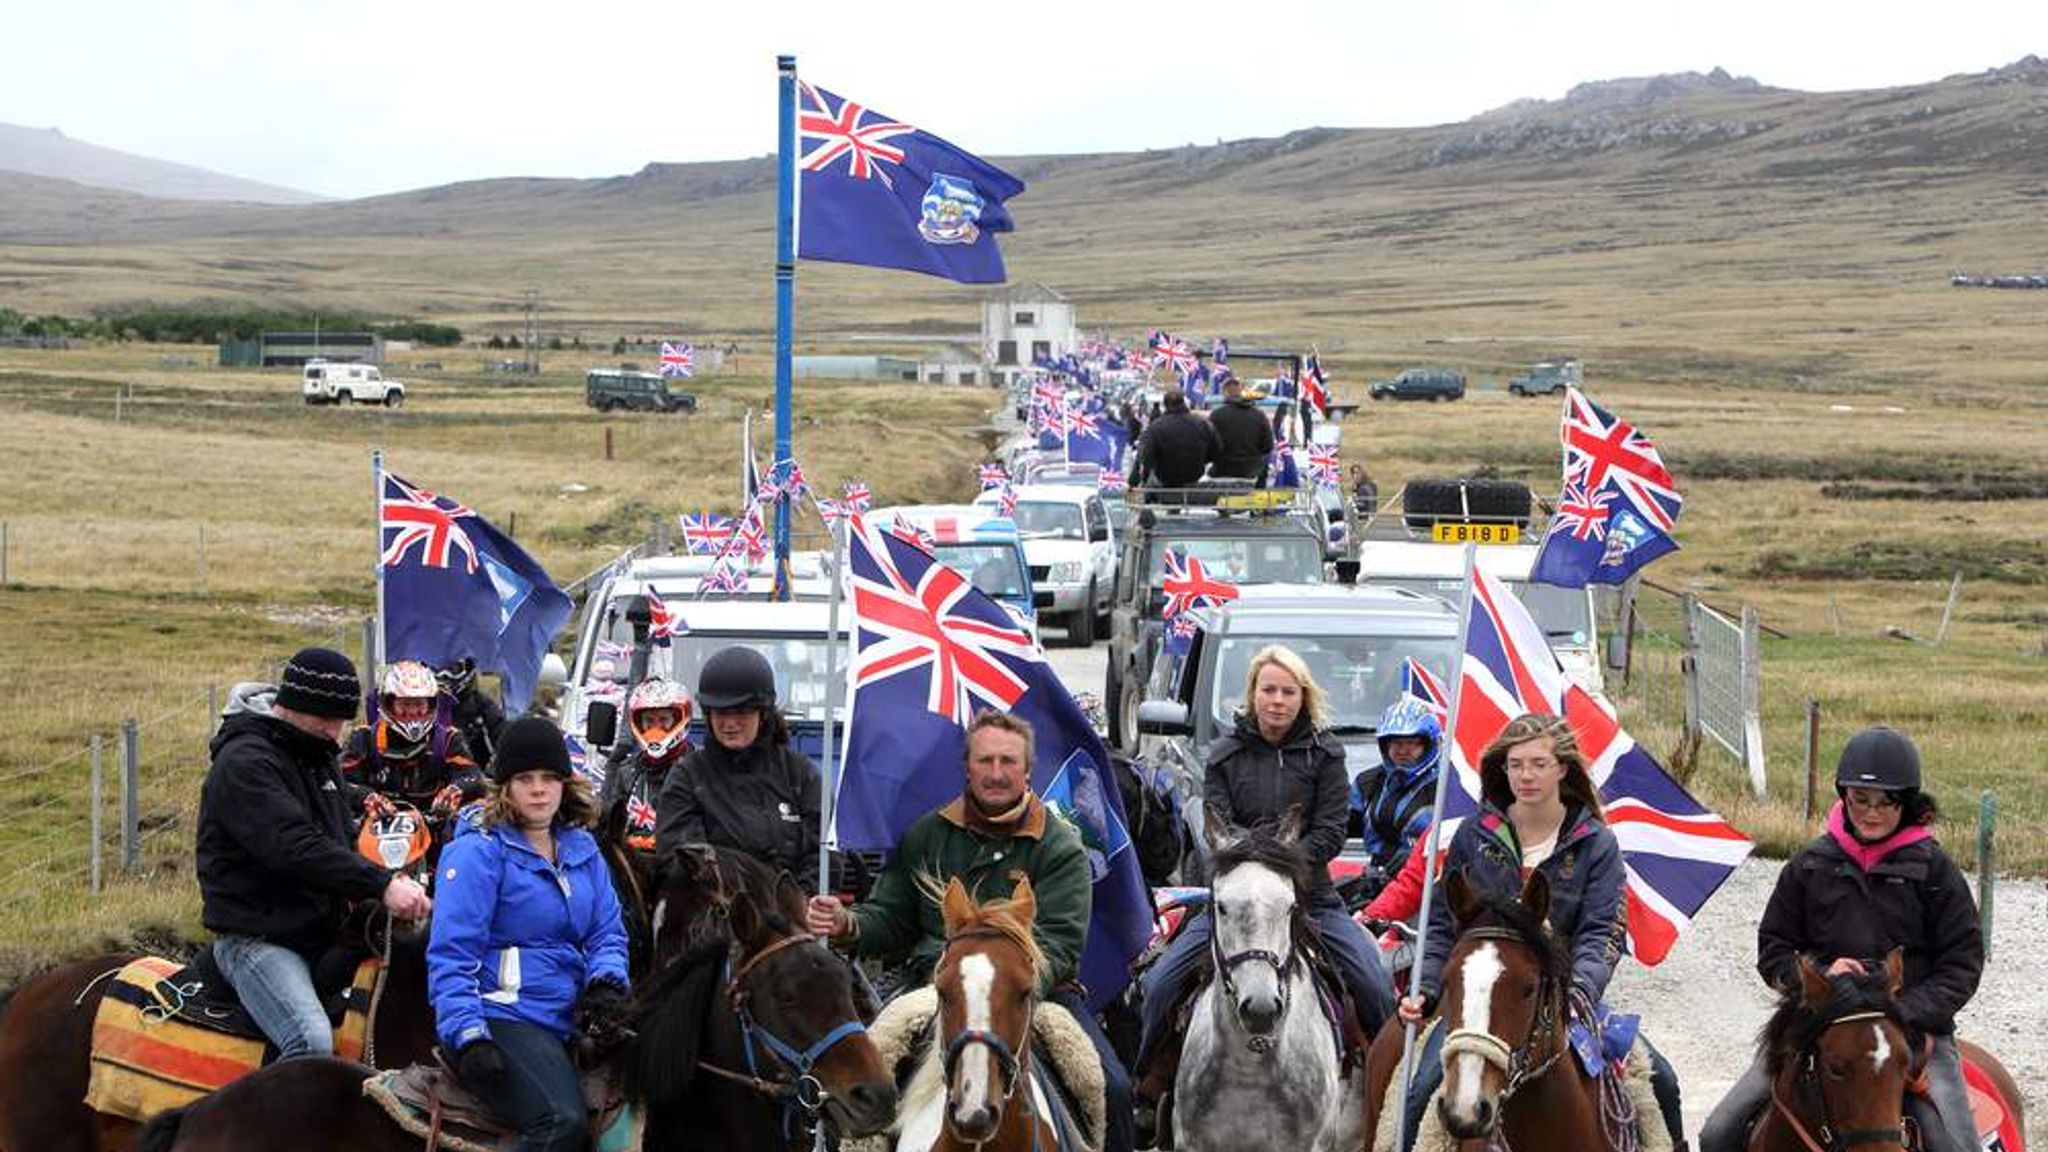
(1704, 1004)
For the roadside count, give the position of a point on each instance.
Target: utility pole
(532, 334)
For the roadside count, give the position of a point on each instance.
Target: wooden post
(1812, 756)
(512, 525)
(1955, 591)
(1987, 859)
(3, 551)
(607, 441)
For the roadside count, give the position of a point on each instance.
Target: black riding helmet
(736, 677)
(1879, 758)
(530, 744)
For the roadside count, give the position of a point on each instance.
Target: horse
(46, 1037)
(981, 1055)
(741, 1042)
(1840, 1064)
(1261, 1066)
(1509, 1075)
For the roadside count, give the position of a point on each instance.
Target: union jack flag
(1188, 586)
(786, 478)
(921, 619)
(1604, 450)
(1314, 388)
(1583, 516)
(727, 577)
(857, 495)
(1676, 851)
(1111, 480)
(1007, 502)
(415, 516)
(832, 132)
(1175, 352)
(992, 476)
(751, 534)
(1418, 681)
(1619, 503)
(1140, 362)
(831, 511)
(678, 359)
(664, 623)
(1323, 466)
(705, 533)
(1083, 423)
(911, 532)
(640, 818)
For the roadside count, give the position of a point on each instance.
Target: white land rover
(335, 382)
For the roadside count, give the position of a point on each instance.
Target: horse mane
(1507, 912)
(1793, 1027)
(1263, 846)
(997, 917)
(662, 1064)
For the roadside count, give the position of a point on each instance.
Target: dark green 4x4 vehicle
(1264, 536)
(613, 389)
(1422, 384)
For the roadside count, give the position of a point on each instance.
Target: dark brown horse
(742, 1043)
(1508, 1072)
(46, 1041)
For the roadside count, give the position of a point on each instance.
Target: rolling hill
(50, 153)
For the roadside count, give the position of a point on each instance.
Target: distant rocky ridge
(48, 152)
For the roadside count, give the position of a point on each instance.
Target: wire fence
(1689, 668)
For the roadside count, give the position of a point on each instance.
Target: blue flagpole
(785, 300)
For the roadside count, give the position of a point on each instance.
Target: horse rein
(1014, 1063)
(1283, 970)
(1518, 1064)
(1806, 1074)
(805, 1091)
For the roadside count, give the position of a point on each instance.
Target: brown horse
(977, 1092)
(1509, 1076)
(742, 1043)
(1841, 1064)
(46, 1041)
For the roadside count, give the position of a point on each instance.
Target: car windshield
(1048, 518)
(799, 661)
(1359, 675)
(1564, 614)
(1286, 559)
(995, 569)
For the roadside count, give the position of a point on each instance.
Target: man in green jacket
(996, 833)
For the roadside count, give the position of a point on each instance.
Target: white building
(1023, 322)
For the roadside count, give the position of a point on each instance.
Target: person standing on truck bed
(1176, 447)
(1244, 436)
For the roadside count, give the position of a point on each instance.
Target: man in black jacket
(275, 863)
(1244, 435)
(1176, 446)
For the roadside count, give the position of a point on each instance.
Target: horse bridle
(1283, 971)
(804, 1090)
(1010, 1061)
(1808, 1081)
(1518, 1064)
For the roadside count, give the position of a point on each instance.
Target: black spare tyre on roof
(1430, 500)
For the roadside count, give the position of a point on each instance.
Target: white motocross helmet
(655, 694)
(410, 680)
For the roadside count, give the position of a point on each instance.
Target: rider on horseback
(658, 723)
(1395, 796)
(995, 834)
(1874, 881)
(274, 860)
(527, 944)
(1280, 760)
(1539, 812)
(747, 788)
(411, 750)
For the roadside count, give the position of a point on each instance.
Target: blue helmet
(1410, 716)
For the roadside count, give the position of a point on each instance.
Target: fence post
(97, 842)
(1752, 700)
(369, 650)
(202, 561)
(3, 551)
(607, 442)
(1987, 858)
(1812, 755)
(212, 709)
(661, 535)
(1687, 755)
(131, 795)
(1955, 592)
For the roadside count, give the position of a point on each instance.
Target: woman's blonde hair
(1315, 703)
(578, 810)
(1577, 785)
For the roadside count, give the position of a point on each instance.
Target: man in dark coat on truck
(1176, 446)
(1244, 435)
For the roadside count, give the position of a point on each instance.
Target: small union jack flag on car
(728, 577)
(664, 623)
(1189, 586)
(705, 533)
(992, 476)
(858, 497)
(912, 532)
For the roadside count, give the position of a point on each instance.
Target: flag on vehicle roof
(1112, 481)
(1006, 503)
(1324, 469)
(728, 577)
(1094, 437)
(1677, 852)
(1619, 504)
(873, 190)
(992, 476)
(678, 360)
(1189, 586)
(929, 651)
(1314, 388)
(858, 496)
(1175, 353)
(705, 533)
(664, 623)
(454, 587)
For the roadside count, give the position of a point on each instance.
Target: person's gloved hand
(480, 1064)
(446, 801)
(377, 806)
(602, 1015)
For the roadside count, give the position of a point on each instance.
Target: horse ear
(1894, 972)
(1289, 831)
(1024, 902)
(698, 861)
(1813, 986)
(1217, 830)
(747, 927)
(1464, 902)
(790, 896)
(955, 908)
(1536, 894)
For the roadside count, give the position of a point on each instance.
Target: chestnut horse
(743, 1042)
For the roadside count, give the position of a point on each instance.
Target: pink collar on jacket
(1868, 856)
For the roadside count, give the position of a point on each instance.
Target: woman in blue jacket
(1539, 812)
(527, 941)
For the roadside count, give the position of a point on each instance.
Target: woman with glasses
(1874, 881)
(1538, 812)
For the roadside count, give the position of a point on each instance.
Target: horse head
(1257, 897)
(1503, 1003)
(987, 984)
(1838, 1056)
(694, 890)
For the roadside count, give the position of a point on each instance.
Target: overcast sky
(355, 97)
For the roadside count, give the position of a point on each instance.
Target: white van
(334, 382)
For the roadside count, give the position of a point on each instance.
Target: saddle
(429, 1101)
(166, 1034)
